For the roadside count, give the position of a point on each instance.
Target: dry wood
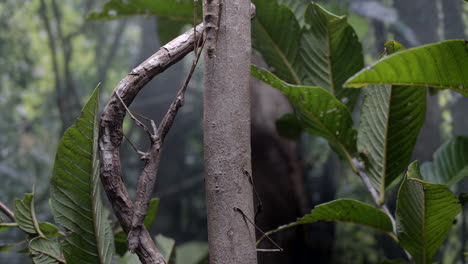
(111, 135)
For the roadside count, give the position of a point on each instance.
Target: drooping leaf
(330, 53)
(319, 112)
(390, 121)
(289, 127)
(75, 191)
(276, 34)
(165, 246)
(45, 251)
(449, 164)
(439, 65)
(424, 215)
(192, 253)
(345, 210)
(179, 10)
(26, 216)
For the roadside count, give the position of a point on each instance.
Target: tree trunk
(277, 175)
(231, 235)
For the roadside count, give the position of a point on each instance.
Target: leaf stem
(7, 211)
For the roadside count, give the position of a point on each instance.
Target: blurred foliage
(30, 123)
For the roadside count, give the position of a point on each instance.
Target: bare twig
(7, 211)
(261, 231)
(111, 135)
(148, 175)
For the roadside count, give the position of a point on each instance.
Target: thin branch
(147, 177)
(7, 211)
(111, 135)
(260, 230)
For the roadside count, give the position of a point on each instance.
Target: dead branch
(111, 134)
(147, 177)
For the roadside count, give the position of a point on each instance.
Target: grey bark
(229, 195)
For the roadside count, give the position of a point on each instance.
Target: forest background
(51, 59)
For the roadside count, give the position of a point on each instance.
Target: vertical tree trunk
(228, 181)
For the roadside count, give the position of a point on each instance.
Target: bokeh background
(51, 59)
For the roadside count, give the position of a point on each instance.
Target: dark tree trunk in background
(424, 24)
(277, 174)
(453, 23)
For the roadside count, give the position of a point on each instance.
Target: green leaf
(390, 121)
(289, 127)
(120, 241)
(168, 28)
(330, 53)
(320, 112)
(178, 10)
(276, 34)
(151, 213)
(298, 7)
(128, 258)
(192, 253)
(439, 65)
(26, 216)
(165, 246)
(424, 215)
(6, 248)
(49, 230)
(45, 251)
(344, 210)
(450, 163)
(75, 191)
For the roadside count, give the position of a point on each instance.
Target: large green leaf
(390, 121)
(298, 7)
(345, 210)
(276, 34)
(439, 65)
(26, 216)
(45, 251)
(75, 191)
(179, 10)
(330, 53)
(424, 215)
(450, 163)
(319, 112)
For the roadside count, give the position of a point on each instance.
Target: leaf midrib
(282, 56)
